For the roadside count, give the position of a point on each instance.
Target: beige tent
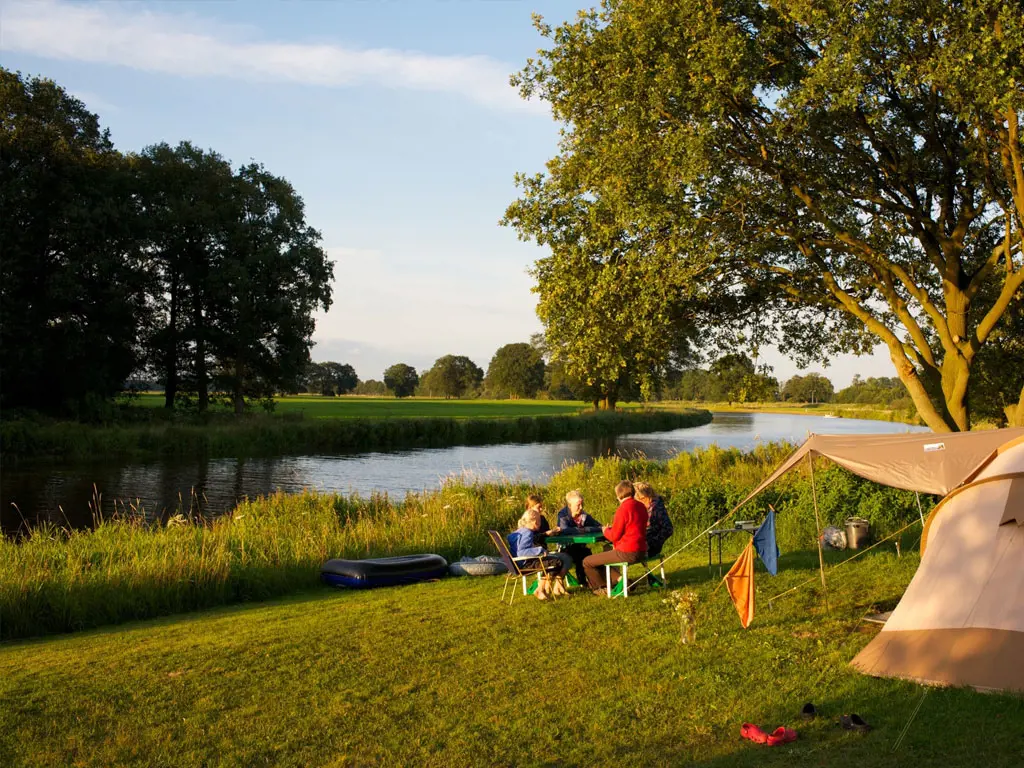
(961, 620)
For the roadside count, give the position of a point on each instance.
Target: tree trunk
(237, 395)
(1015, 413)
(171, 352)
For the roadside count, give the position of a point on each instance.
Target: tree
(330, 378)
(452, 376)
(371, 387)
(736, 378)
(72, 286)
(812, 388)
(187, 196)
(273, 277)
(838, 174)
(515, 371)
(401, 379)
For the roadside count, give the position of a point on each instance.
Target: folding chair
(519, 567)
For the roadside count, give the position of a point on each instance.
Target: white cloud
(186, 44)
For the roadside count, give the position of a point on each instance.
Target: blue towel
(764, 543)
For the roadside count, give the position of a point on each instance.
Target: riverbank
(257, 435)
(424, 675)
(55, 580)
(869, 412)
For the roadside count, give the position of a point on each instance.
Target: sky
(393, 119)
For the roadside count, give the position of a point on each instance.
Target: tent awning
(926, 462)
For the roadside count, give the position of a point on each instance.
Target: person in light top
(522, 543)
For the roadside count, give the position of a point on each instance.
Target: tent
(961, 620)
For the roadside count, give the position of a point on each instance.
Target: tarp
(927, 462)
(961, 620)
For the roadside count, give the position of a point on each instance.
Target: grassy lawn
(352, 407)
(443, 674)
(844, 411)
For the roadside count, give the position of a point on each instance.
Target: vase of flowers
(683, 603)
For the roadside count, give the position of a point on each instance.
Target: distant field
(351, 407)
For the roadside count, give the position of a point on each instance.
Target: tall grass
(268, 435)
(58, 581)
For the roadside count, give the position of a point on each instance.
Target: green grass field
(443, 674)
(354, 407)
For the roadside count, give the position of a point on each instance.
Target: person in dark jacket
(573, 518)
(659, 525)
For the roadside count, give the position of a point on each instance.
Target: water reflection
(69, 495)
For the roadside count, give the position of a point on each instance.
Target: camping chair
(519, 567)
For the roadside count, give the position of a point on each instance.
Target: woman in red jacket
(628, 535)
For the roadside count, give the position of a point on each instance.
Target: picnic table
(578, 536)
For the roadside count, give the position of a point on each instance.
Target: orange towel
(740, 583)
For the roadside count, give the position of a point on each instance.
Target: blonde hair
(624, 490)
(533, 500)
(529, 518)
(644, 490)
(573, 495)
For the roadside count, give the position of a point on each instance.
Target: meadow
(444, 674)
(245, 660)
(841, 411)
(359, 407)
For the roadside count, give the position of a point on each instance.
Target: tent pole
(919, 510)
(817, 523)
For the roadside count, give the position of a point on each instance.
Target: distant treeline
(169, 264)
(518, 370)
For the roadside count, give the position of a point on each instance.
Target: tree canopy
(167, 263)
(516, 370)
(73, 284)
(811, 388)
(452, 376)
(401, 379)
(829, 175)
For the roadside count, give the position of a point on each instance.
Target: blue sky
(394, 120)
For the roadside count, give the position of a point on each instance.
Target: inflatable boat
(383, 571)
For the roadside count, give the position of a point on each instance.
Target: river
(67, 495)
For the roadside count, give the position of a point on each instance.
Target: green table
(565, 538)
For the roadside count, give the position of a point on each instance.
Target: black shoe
(854, 722)
(808, 712)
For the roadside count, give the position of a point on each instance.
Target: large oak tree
(846, 174)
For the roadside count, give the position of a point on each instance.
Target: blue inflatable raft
(383, 571)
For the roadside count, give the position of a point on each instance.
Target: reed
(54, 580)
(291, 434)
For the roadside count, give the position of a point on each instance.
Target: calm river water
(67, 494)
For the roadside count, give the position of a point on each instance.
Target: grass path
(442, 674)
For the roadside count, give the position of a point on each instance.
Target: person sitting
(521, 544)
(573, 518)
(628, 535)
(533, 501)
(659, 525)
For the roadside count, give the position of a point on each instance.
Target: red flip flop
(781, 735)
(754, 733)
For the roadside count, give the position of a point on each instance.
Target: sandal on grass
(781, 735)
(854, 722)
(754, 733)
